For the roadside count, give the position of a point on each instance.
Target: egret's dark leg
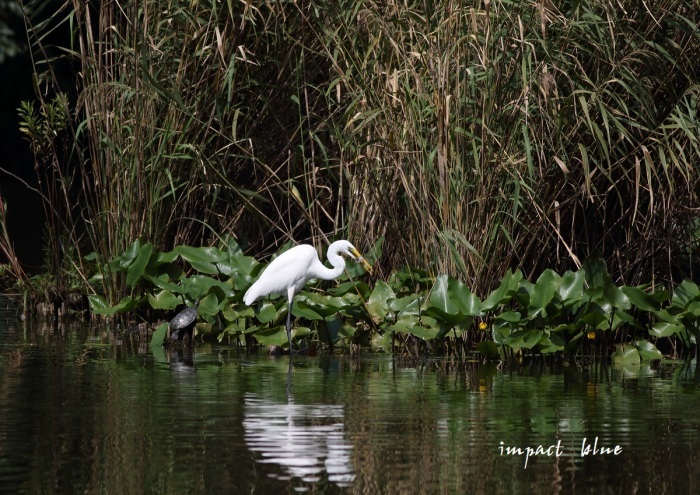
(289, 326)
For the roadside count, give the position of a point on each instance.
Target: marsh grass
(523, 134)
(473, 136)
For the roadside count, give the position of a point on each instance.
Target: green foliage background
(474, 137)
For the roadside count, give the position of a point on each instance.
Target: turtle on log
(183, 321)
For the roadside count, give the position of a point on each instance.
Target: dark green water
(83, 413)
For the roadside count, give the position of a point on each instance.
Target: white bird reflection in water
(305, 440)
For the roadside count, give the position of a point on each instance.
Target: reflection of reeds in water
(306, 440)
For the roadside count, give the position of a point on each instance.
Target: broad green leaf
(210, 305)
(99, 306)
(164, 258)
(162, 281)
(596, 320)
(621, 318)
(130, 254)
(225, 269)
(200, 285)
(232, 247)
(641, 299)
(694, 310)
(251, 329)
(377, 302)
(325, 305)
(626, 354)
(243, 269)
(352, 288)
(97, 303)
(267, 312)
(665, 329)
(571, 287)
(451, 297)
(301, 309)
(381, 341)
(523, 293)
(551, 342)
(615, 296)
(670, 315)
(563, 327)
(354, 270)
(440, 295)
(593, 314)
(163, 299)
(411, 278)
(647, 350)
(234, 328)
(509, 316)
(206, 328)
(347, 330)
(544, 289)
(527, 338)
(500, 332)
(206, 267)
(232, 312)
(201, 254)
(158, 336)
(685, 293)
(138, 266)
(595, 271)
(272, 336)
(424, 332)
(300, 332)
(471, 304)
(414, 327)
(400, 304)
(91, 257)
(450, 319)
(332, 329)
(403, 325)
(504, 293)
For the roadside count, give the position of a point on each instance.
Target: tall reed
(190, 121)
(474, 136)
(486, 135)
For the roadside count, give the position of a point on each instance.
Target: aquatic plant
(581, 312)
(498, 134)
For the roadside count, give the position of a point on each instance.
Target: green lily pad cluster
(219, 277)
(556, 313)
(160, 280)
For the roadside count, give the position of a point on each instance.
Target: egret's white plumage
(288, 273)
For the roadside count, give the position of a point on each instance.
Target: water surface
(83, 412)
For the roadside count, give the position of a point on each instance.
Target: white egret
(288, 273)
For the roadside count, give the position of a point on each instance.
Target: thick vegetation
(577, 312)
(476, 138)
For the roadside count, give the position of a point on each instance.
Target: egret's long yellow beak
(361, 260)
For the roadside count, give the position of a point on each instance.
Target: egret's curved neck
(335, 259)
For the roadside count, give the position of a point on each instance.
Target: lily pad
(626, 354)
(647, 350)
